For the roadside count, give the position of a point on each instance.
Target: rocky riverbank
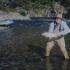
(12, 16)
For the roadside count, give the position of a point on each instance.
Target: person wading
(61, 28)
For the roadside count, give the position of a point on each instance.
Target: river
(23, 48)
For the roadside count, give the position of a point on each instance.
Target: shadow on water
(58, 64)
(52, 62)
(39, 50)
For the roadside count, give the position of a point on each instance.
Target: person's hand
(54, 38)
(58, 34)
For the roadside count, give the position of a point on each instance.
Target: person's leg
(49, 47)
(61, 43)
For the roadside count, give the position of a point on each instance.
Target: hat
(59, 16)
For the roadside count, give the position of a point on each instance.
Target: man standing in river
(60, 28)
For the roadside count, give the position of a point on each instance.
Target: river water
(23, 48)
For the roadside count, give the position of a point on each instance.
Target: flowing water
(23, 48)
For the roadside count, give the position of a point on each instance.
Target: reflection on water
(24, 49)
(58, 64)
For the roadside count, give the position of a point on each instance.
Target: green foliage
(23, 12)
(26, 3)
(30, 4)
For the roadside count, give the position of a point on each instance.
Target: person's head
(59, 18)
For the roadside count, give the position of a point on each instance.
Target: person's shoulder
(64, 22)
(52, 23)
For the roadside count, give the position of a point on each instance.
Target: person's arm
(51, 27)
(65, 31)
(54, 38)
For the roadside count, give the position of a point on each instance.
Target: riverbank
(13, 16)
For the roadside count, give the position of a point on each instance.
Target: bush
(23, 12)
